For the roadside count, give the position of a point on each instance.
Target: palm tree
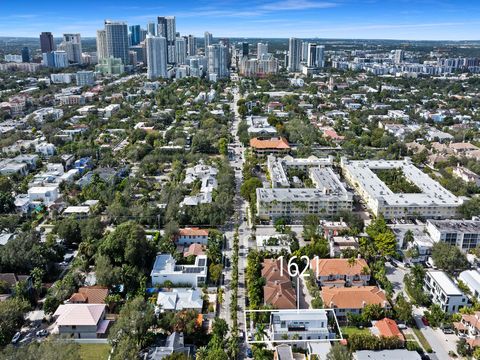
(260, 332)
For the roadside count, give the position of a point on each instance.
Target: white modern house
(465, 234)
(444, 292)
(299, 324)
(166, 269)
(45, 194)
(433, 201)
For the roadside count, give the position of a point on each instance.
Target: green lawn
(422, 340)
(94, 351)
(349, 330)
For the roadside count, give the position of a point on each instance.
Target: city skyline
(371, 19)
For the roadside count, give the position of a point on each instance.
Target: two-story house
(444, 292)
(341, 272)
(299, 325)
(188, 236)
(166, 269)
(81, 321)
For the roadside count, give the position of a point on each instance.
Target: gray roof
(461, 226)
(398, 354)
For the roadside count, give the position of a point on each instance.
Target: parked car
(249, 353)
(41, 333)
(448, 331)
(16, 337)
(402, 326)
(425, 321)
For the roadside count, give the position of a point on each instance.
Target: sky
(348, 19)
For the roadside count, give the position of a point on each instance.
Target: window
(451, 238)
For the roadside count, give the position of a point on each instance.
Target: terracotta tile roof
(353, 297)
(472, 319)
(276, 144)
(193, 232)
(90, 295)
(388, 328)
(280, 294)
(271, 270)
(194, 249)
(328, 267)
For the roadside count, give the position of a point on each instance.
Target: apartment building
(444, 292)
(465, 234)
(341, 272)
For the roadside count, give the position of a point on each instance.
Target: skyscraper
(399, 56)
(315, 55)
(192, 45)
(156, 57)
(116, 34)
(304, 56)
(294, 54)
(101, 44)
(262, 49)
(72, 45)
(217, 62)
(245, 49)
(167, 29)
(135, 32)
(180, 50)
(46, 42)
(26, 55)
(152, 28)
(208, 42)
(55, 59)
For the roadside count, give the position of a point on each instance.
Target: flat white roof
(447, 285)
(471, 278)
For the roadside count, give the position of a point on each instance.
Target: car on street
(16, 337)
(425, 321)
(249, 353)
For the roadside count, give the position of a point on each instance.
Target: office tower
(55, 59)
(140, 51)
(143, 34)
(217, 62)
(72, 45)
(156, 57)
(208, 42)
(399, 56)
(167, 29)
(101, 44)
(26, 55)
(262, 49)
(315, 55)
(135, 34)
(46, 42)
(116, 34)
(85, 78)
(152, 29)
(180, 50)
(294, 54)
(192, 45)
(245, 49)
(304, 56)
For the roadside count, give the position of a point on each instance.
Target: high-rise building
(26, 55)
(46, 42)
(262, 49)
(167, 29)
(85, 78)
(304, 56)
(117, 40)
(217, 62)
(294, 54)
(245, 49)
(110, 66)
(143, 34)
(180, 50)
(102, 44)
(315, 55)
(192, 45)
(208, 42)
(72, 45)
(156, 57)
(135, 36)
(140, 50)
(55, 59)
(399, 56)
(152, 28)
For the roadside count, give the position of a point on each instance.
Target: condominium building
(156, 57)
(299, 325)
(85, 78)
(262, 49)
(294, 54)
(110, 66)
(72, 45)
(101, 45)
(433, 201)
(180, 50)
(116, 34)
(217, 62)
(444, 292)
(465, 234)
(167, 29)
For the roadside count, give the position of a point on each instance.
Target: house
(344, 300)
(341, 272)
(395, 354)
(81, 321)
(11, 280)
(300, 325)
(89, 295)
(284, 352)
(274, 145)
(259, 126)
(469, 325)
(339, 244)
(387, 328)
(173, 344)
(444, 292)
(271, 270)
(166, 269)
(179, 299)
(466, 175)
(194, 250)
(280, 294)
(188, 236)
(46, 194)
